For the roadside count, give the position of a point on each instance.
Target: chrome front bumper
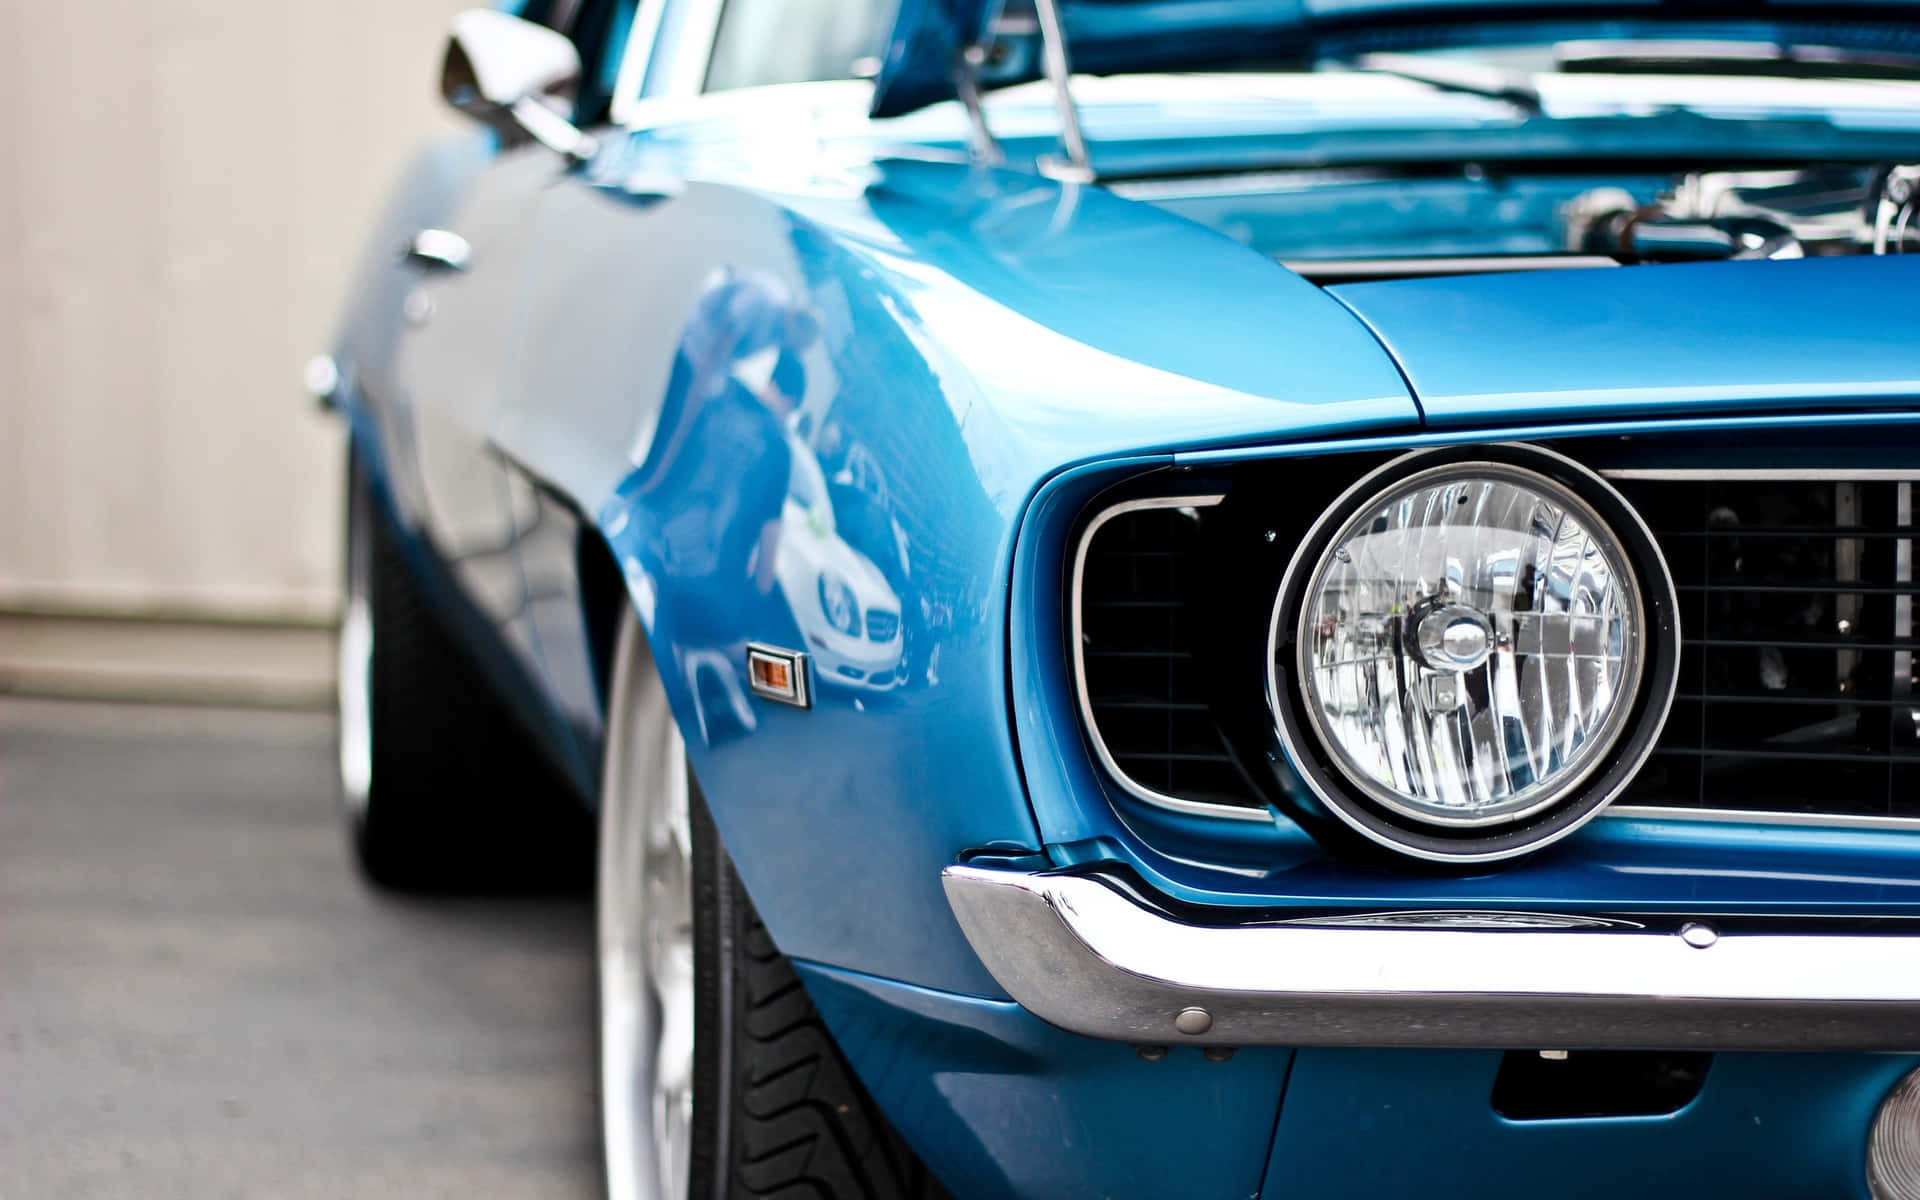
(1079, 954)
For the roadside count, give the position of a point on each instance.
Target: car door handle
(439, 250)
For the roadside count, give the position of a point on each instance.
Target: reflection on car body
(1164, 778)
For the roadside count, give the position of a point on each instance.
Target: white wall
(184, 186)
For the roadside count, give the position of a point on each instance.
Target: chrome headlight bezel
(1601, 773)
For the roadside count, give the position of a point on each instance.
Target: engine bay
(1349, 225)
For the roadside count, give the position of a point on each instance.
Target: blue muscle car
(1170, 598)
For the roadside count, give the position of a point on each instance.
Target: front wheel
(717, 1076)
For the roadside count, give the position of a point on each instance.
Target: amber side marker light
(779, 675)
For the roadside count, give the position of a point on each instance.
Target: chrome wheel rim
(354, 671)
(645, 914)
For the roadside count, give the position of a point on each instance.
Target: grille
(1138, 658)
(1797, 691)
(882, 624)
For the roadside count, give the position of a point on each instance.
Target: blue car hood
(1116, 36)
(1829, 333)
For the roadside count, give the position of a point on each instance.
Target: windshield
(794, 41)
(1656, 146)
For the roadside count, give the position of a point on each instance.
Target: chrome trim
(1053, 57)
(644, 905)
(631, 82)
(688, 60)
(1138, 791)
(321, 378)
(440, 249)
(981, 144)
(1762, 474)
(1658, 707)
(1354, 270)
(552, 130)
(1463, 919)
(353, 667)
(1738, 816)
(1080, 955)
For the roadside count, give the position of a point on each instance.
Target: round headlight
(1468, 641)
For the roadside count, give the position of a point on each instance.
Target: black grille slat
(1796, 685)
(1797, 689)
(1763, 698)
(1804, 642)
(1813, 588)
(1851, 533)
(1736, 752)
(1138, 654)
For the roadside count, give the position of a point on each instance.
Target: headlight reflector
(1467, 645)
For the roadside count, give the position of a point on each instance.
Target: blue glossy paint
(754, 348)
(1554, 345)
(1418, 1123)
(930, 408)
(1003, 1105)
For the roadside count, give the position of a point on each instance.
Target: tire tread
(800, 1123)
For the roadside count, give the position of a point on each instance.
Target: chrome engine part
(1792, 213)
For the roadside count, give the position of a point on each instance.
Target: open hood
(1117, 36)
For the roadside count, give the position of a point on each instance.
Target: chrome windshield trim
(634, 61)
(1132, 787)
(1082, 956)
(670, 44)
(695, 53)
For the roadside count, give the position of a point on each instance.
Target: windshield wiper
(1453, 75)
(1706, 57)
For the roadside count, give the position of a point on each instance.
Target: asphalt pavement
(200, 997)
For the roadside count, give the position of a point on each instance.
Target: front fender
(948, 339)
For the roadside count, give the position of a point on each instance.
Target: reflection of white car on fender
(848, 614)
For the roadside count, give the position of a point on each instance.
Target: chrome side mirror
(513, 75)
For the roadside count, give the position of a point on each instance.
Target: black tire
(458, 798)
(777, 1110)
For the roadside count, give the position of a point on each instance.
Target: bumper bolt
(1193, 1021)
